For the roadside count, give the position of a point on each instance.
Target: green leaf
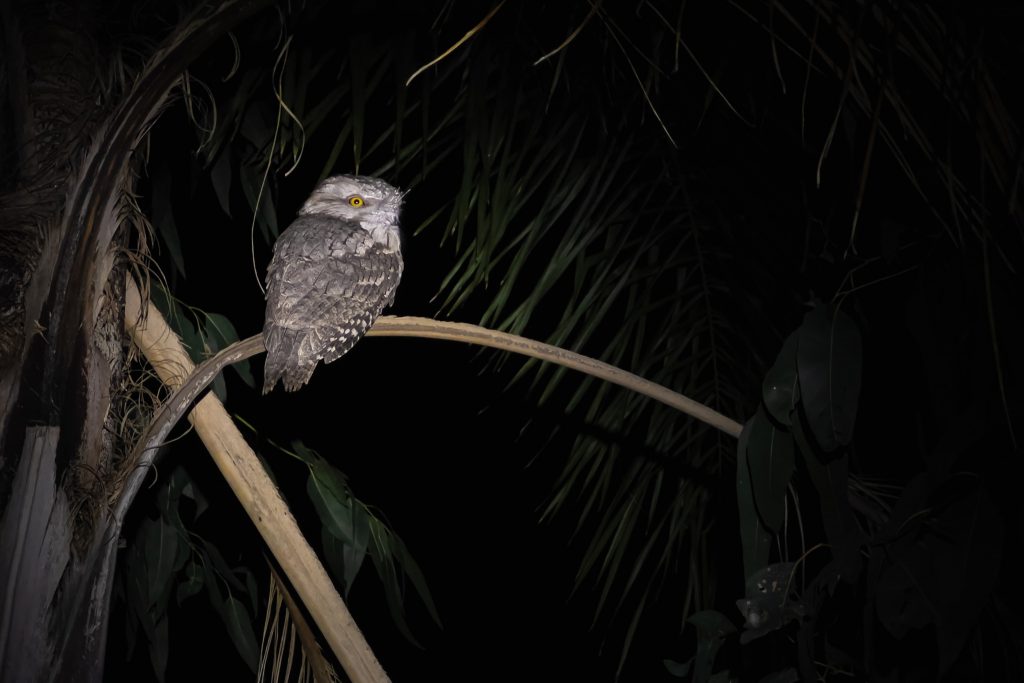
(159, 646)
(261, 205)
(831, 482)
(355, 552)
(329, 492)
(163, 550)
(383, 558)
(220, 176)
(769, 604)
(137, 586)
(415, 574)
(712, 629)
(829, 366)
(754, 536)
(223, 334)
(955, 541)
(358, 68)
(217, 568)
(163, 216)
(334, 556)
(770, 458)
(678, 669)
(780, 389)
(239, 627)
(788, 675)
(192, 583)
(191, 492)
(191, 339)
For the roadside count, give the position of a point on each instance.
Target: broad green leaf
(137, 588)
(780, 389)
(334, 556)
(192, 492)
(223, 334)
(191, 583)
(159, 646)
(754, 535)
(958, 543)
(329, 492)
(239, 626)
(217, 568)
(358, 68)
(415, 574)
(261, 205)
(829, 366)
(712, 630)
(163, 216)
(383, 558)
(163, 549)
(831, 482)
(768, 604)
(355, 552)
(220, 176)
(678, 669)
(770, 459)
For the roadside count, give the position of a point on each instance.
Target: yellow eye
(356, 201)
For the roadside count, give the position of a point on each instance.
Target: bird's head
(371, 202)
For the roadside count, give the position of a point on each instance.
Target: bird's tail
(283, 359)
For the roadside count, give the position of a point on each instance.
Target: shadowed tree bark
(75, 115)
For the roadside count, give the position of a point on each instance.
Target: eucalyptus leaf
(355, 552)
(780, 389)
(829, 367)
(771, 462)
(239, 626)
(163, 217)
(159, 648)
(787, 675)
(329, 493)
(754, 536)
(712, 629)
(191, 583)
(163, 548)
(217, 567)
(415, 574)
(678, 669)
(220, 177)
(383, 559)
(831, 481)
(334, 556)
(222, 333)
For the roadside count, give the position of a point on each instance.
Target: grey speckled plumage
(333, 271)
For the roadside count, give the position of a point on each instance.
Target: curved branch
(250, 482)
(175, 407)
(247, 478)
(398, 326)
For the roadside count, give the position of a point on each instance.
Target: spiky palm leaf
(574, 220)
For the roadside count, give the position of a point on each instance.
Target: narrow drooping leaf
(239, 626)
(754, 536)
(770, 460)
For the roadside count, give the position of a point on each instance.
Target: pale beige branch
(258, 495)
(391, 326)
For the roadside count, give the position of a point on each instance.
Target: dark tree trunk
(64, 213)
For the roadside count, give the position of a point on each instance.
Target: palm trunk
(62, 344)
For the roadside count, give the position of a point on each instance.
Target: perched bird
(333, 271)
